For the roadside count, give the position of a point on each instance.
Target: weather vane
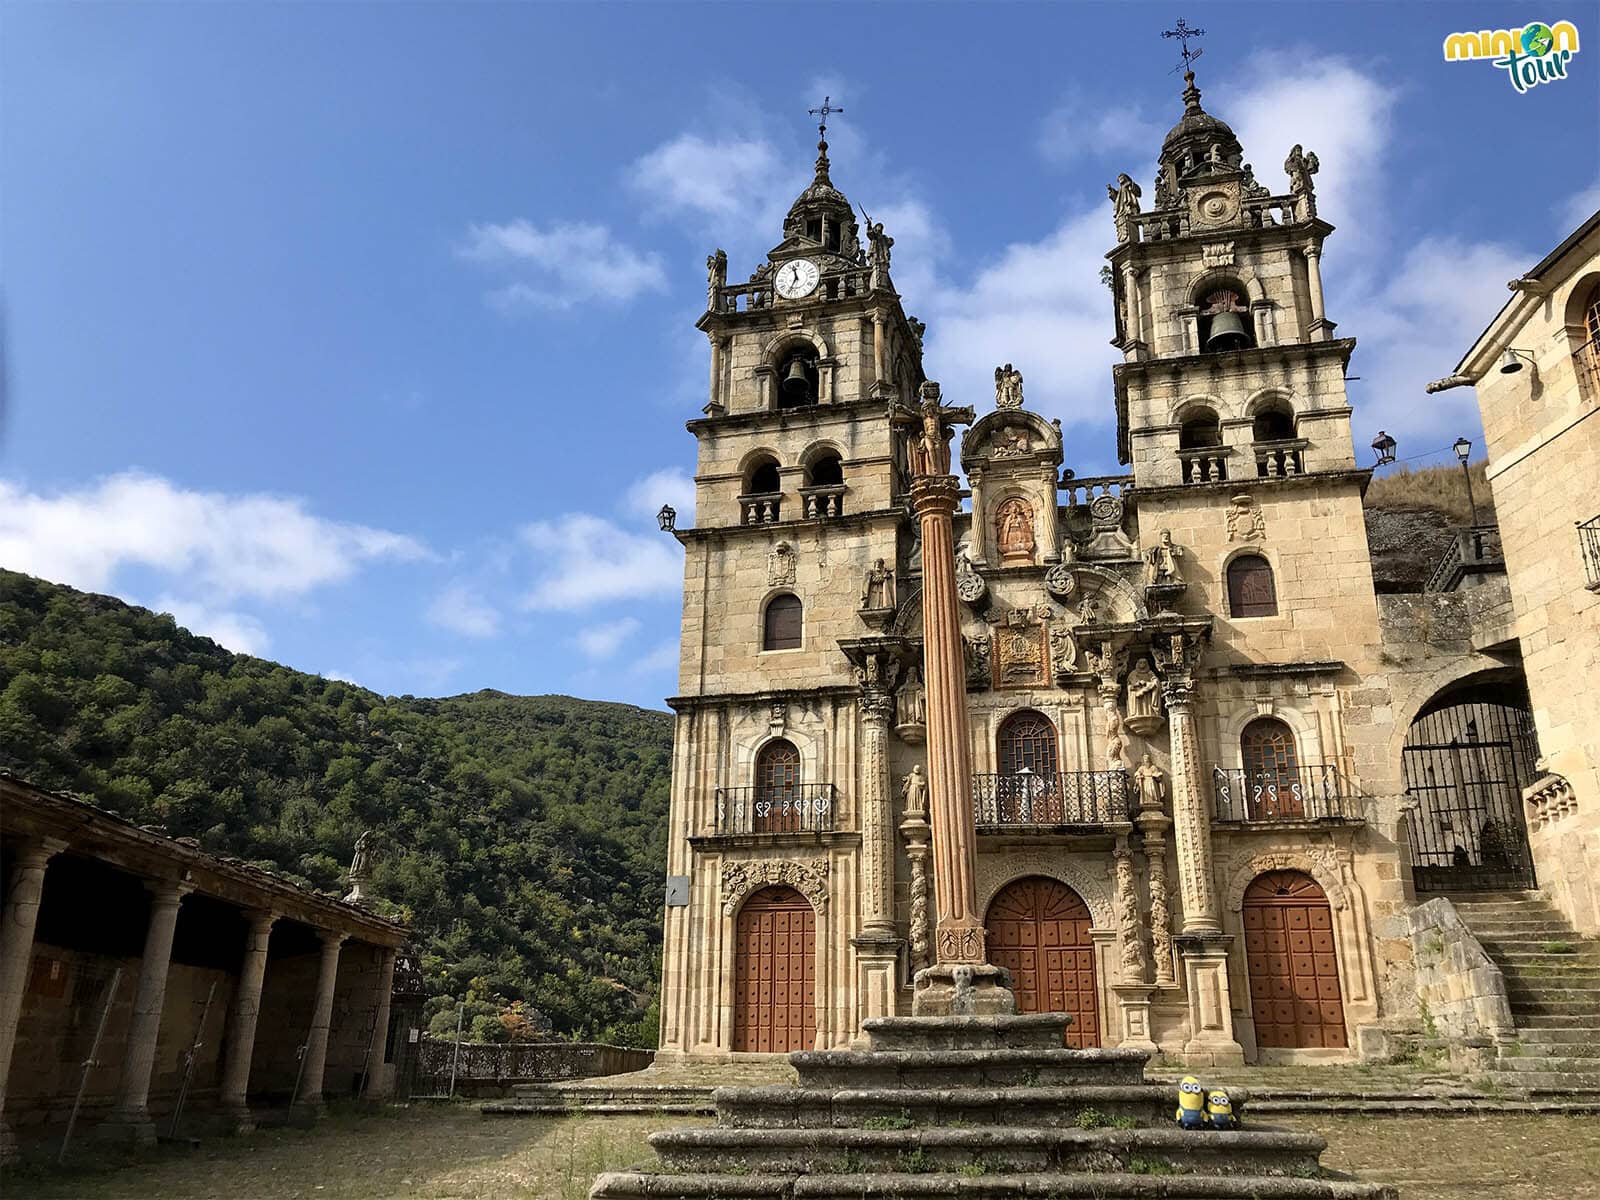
(1183, 33)
(827, 108)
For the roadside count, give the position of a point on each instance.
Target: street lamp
(1383, 445)
(667, 518)
(1463, 449)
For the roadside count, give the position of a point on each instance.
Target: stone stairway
(1553, 983)
(978, 1107)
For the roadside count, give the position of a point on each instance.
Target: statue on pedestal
(878, 590)
(1148, 779)
(914, 791)
(360, 873)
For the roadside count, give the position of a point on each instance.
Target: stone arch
(742, 878)
(779, 344)
(1321, 867)
(1267, 396)
(975, 442)
(996, 871)
(1204, 280)
(1307, 736)
(1112, 583)
(747, 749)
(908, 618)
(1454, 674)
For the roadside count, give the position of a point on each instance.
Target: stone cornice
(1260, 670)
(831, 691)
(703, 533)
(812, 414)
(1228, 486)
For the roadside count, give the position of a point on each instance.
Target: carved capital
(1176, 656)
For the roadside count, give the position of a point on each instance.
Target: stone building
(1537, 371)
(135, 950)
(1193, 714)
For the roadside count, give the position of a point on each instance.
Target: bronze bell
(1227, 333)
(796, 385)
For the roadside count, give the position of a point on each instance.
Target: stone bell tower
(802, 541)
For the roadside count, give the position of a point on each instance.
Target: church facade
(1199, 732)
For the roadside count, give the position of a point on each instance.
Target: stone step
(1584, 955)
(1554, 1020)
(1539, 978)
(1521, 931)
(1028, 1031)
(1553, 1081)
(1575, 997)
(598, 1108)
(1587, 1049)
(967, 1068)
(1535, 1064)
(1084, 1106)
(995, 1150)
(634, 1185)
(1581, 1034)
(665, 1094)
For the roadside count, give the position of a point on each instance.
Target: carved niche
(1013, 531)
(739, 879)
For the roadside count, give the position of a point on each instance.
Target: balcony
(1073, 799)
(1589, 541)
(1280, 459)
(1087, 490)
(1474, 552)
(797, 808)
(1207, 464)
(823, 501)
(1311, 792)
(764, 508)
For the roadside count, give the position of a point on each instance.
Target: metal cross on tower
(823, 112)
(1183, 33)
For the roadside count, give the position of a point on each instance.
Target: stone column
(716, 371)
(16, 952)
(1154, 827)
(977, 535)
(1191, 814)
(877, 352)
(1314, 286)
(1130, 291)
(321, 1018)
(242, 1022)
(130, 1117)
(915, 830)
(877, 947)
(378, 1081)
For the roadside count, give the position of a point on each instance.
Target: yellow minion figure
(1191, 1112)
(1219, 1110)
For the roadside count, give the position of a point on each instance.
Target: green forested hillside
(523, 836)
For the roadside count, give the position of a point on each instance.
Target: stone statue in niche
(878, 590)
(1116, 742)
(1063, 648)
(912, 702)
(1300, 167)
(1125, 205)
(716, 277)
(914, 791)
(780, 565)
(1163, 559)
(1013, 524)
(1245, 521)
(1007, 387)
(1148, 778)
(1144, 699)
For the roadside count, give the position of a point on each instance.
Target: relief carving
(1060, 582)
(780, 565)
(1063, 648)
(739, 879)
(1245, 521)
(1013, 524)
(1020, 655)
(977, 656)
(1128, 925)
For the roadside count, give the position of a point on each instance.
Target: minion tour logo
(1537, 53)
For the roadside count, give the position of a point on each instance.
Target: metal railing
(1309, 792)
(1589, 540)
(1475, 550)
(1059, 798)
(795, 808)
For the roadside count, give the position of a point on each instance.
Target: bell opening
(797, 382)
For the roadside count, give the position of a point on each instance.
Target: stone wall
(1461, 994)
(492, 1069)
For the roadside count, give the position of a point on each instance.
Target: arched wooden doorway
(1294, 970)
(774, 973)
(1039, 931)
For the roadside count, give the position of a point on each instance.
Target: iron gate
(1466, 765)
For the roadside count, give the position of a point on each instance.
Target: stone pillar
(977, 535)
(1314, 286)
(1191, 817)
(242, 1022)
(130, 1117)
(715, 396)
(16, 952)
(877, 947)
(321, 1018)
(379, 1084)
(877, 353)
(1130, 292)
(1154, 827)
(915, 830)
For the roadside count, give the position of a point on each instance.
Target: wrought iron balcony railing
(1589, 541)
(1309, 792)
(796, 808)
(1062, 798)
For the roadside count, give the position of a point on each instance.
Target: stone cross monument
(961, 981)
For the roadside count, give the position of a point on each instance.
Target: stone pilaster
(1154, 827)
(877, 947)
(16, 952)
(379, 1082)
(130, 1117)
(316, 1059)
(242, 1022)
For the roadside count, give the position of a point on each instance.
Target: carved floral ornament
(739, 879)
(1320, 863)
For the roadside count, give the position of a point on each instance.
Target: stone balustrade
(1208, 464)
(1549, 800)
(763, 509)
(1280, 459)
(1082, 491)
(823, 501)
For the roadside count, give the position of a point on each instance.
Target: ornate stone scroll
(739, 879)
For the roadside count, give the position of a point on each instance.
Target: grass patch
(852, 1164)
(1557, 948)
(888, 1121)
(1124, 1122)
(1091, 1118)
(1151, 1166)
(916, 1162)
(977, 1167)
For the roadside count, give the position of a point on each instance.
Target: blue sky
(361, 336)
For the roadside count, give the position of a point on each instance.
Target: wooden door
(774, 973)
(1271, 770)
(1039, 931)
(1294, 971)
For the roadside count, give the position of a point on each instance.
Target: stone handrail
(1459, 987)
(1205, 464)
(1474, 549)
(1278, 459)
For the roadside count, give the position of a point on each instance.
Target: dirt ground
(452, 1152)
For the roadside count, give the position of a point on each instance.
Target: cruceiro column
(16, 951)
(378, 1081)
(960, 981)
(242, 1021)
(310, 1094)
(130, 1117)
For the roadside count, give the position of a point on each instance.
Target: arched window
(825, 471)
(763, 478)
(781, 623)
(1271, 770)
(777, 804)
(1274, 422)
(1587, 356)
(1027, 790)
(1200, 429)
(797, 380)
(1225, 320)
(1251, 591)
(1027, 741)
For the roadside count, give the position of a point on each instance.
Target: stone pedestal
(963, 990)
(877, 977)
(1205, 973)
(1133, 1003)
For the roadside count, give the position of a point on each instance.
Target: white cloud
(670, 485)
(661, 659)
(603, 641)
(218, 546)
(564, 265)
(236, 631)
(461, 610)
(729, 179)
(1579, 208)
(587, 560)
(339, 677)
(1077, 129)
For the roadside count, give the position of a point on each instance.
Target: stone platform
(978, 1106)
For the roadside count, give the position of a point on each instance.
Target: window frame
(1235, 607)
(766, 624)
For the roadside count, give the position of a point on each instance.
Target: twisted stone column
(242, 1024)
(321, 1019)
(16, 951)
(1129, 927)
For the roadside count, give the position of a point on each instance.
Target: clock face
(797, 278)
